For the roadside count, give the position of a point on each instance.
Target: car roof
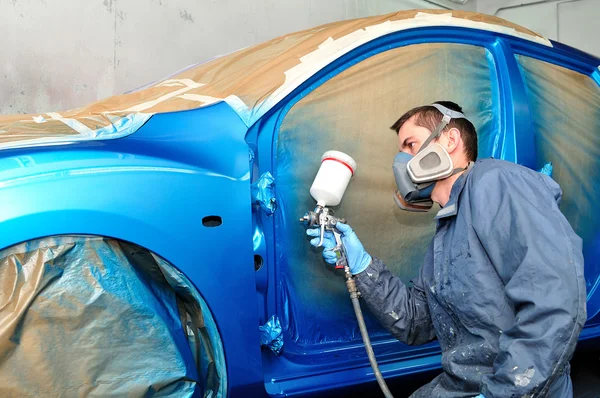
(251, 80)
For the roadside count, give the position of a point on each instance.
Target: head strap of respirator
(449, 114)
(416, 175)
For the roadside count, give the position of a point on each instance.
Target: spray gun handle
(340, 252)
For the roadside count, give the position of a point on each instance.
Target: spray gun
(328, 189)
(323, 218)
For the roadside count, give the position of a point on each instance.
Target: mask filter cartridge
(431, 164)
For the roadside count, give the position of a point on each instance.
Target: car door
(350, 107)
(563, 97)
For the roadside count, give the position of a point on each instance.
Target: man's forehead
(410, 128)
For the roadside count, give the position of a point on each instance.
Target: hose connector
(351, 283)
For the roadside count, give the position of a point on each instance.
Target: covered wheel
(91, 316)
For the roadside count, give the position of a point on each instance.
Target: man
(502, 285)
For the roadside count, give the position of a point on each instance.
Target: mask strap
(458, 170)
(449, 114)
(424, 185)
(436, 132)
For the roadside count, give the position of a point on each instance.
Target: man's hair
(429, 117)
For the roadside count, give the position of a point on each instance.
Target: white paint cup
(332, 178)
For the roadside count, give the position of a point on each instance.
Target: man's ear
(454, 139)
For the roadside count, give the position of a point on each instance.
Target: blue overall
(502, 288)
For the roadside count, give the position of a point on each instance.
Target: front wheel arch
(89, 283)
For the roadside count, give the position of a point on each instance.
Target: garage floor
(585, 372)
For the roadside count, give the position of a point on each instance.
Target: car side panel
(153, 189)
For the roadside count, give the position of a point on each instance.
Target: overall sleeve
(539, 258)
(402, 310)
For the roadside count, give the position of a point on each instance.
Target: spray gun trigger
(322, 235)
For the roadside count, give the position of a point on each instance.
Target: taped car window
(353, 113)
(565, 109)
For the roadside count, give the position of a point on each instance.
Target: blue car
(151, 243)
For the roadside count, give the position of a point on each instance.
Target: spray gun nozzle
(310, 219)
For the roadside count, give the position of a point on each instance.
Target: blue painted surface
(312, 302)
(517, 145)
(296, 372)
(154, 187)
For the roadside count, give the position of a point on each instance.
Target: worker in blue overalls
(502, 286)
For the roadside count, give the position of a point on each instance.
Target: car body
(237, 140)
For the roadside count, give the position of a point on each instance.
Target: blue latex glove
(358, 258)
(480, 396)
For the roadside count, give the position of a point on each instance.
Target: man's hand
(358, 258)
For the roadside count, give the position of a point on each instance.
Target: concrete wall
(573, 22)
(63, 54)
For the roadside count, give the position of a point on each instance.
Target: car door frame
(570, 58)
(515, 143)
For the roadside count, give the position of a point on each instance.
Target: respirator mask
(416, 175)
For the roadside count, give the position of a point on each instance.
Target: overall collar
(451, 208)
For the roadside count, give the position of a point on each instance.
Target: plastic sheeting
(565, 109)
(55, 128)
(88, 316)
(353, 113)
(263, 193)
(547, 169)
(250, 80)
(271, 335)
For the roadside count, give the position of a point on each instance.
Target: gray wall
(61, 54)
(573, 22)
